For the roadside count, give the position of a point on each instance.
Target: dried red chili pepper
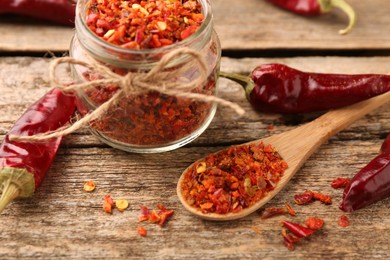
(318, 7)
(24, 164)
(314, 223)
(277, 88)
(57, 11)
(339, 183)
(385, 147)
(297, 229)
(233, 179)
(369, 185)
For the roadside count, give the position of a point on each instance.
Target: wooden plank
(63, 221)
(245, 25)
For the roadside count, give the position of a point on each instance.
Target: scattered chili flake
(89, 186)
(272, 212)
(234, 178)
(108, 204)
(142, 231)
(326, 199)
(343, 221)
(309, 196)
(154, 216)
(290, 210)
(121, 204)
(140, 24)
(256, 230)
(270, 128)
(314, 223)
(297, 229)
(303, 198)
(289, 240)
(339, 183)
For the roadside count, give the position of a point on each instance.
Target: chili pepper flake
(273, 212)
(108, 204)
(233, 179)
(142, 231)
(297, 229)
(314, 223)
(303, 198)
(121, 204)
(289, 240)
(160, 217)
(339, 183)
(343, 221)
(141, 24)
(309, 196)
(89, 186)
(326, 199)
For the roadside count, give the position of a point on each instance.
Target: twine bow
(157, 79)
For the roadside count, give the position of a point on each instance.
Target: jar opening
(107, 52)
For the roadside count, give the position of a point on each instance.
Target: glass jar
(150, 121)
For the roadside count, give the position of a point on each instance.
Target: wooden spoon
(295, 147)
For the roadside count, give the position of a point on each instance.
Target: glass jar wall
(147, 121)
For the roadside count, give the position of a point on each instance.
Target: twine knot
(160, 78)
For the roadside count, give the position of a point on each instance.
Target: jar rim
(80, 23)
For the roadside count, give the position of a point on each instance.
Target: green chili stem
(327, 5)
(244, 81)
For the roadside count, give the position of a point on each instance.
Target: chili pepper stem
(327, 5)
(15, 183)
(10, 192)
(244, 81)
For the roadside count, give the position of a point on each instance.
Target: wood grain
(241, 25)
(61, 221)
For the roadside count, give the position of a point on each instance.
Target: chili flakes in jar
(140, 24)
(233, 179)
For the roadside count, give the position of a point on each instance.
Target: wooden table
(61, 221)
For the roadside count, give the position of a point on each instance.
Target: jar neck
(140, 59)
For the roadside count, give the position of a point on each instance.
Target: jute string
(157, 79)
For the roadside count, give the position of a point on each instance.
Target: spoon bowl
(295, 147)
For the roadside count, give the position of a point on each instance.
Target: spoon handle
(336, 120)
(297, 145)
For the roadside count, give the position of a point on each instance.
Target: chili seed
(89, 186)
(121, 204)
